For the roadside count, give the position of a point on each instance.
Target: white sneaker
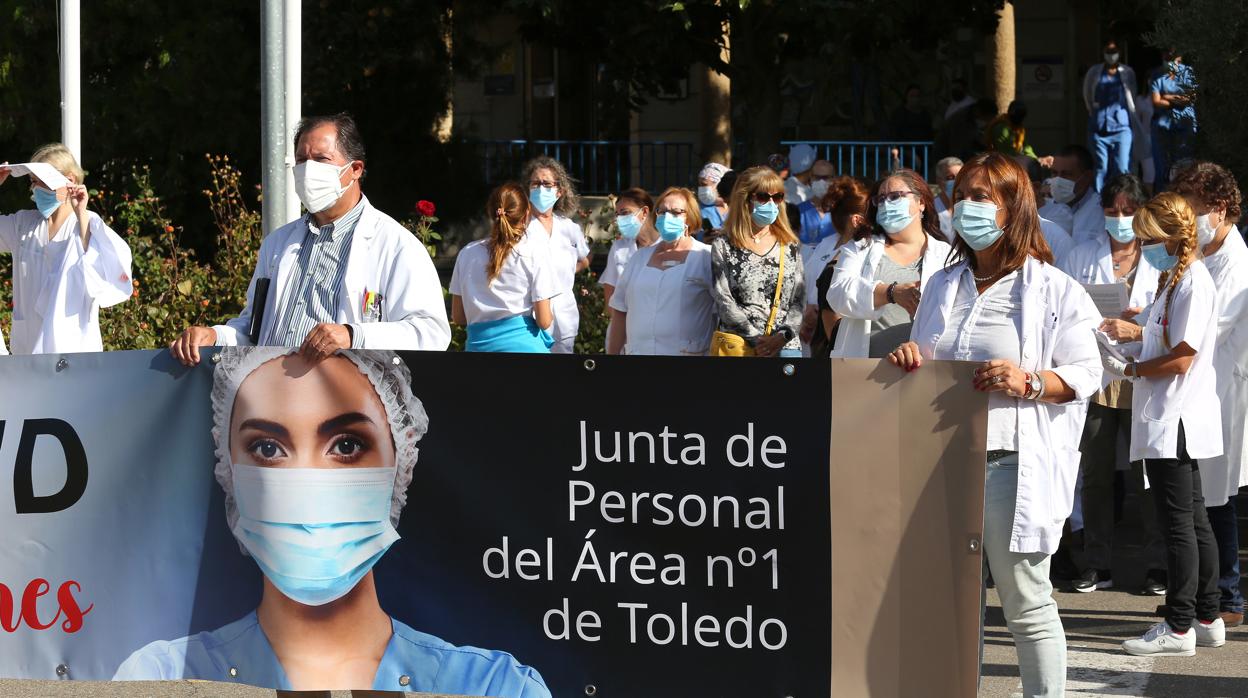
(1211, 634)
(1162, 641)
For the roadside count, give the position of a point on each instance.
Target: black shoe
(1154, 583)
(1091, 580)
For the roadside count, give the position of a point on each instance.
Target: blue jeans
(1113, 155)
(1226, 530)
(1022, 581)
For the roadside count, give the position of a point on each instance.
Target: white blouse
(617, 258)
(59, 287)
(1159, 403)
(524, 279)
(670, 311)
(983, 327)
(566, 246)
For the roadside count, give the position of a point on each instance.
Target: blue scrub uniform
(414, 661)
(1110, 126)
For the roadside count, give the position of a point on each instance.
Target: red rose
(425, 208)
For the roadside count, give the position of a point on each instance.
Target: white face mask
(317, 184)
(818, 188)
(1062, 190)
(1205, 230)
(707, 196)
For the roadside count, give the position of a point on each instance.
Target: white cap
(801, 158)
(51, 177)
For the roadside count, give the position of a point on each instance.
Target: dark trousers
(1099, 463)
(1191, 551)
(1226, 531)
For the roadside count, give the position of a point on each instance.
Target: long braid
(1168, 217)
(509, 210)
(1185, 253)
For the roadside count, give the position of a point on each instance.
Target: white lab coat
(827, 249)
(1060, 242)
(1092, 263)
(1084, 221)
(1222, 476)
(1057, 321)
(670, 312)
(1160, 403)
(567, 247)
(852, 293)
(385, 258)
(58, 287)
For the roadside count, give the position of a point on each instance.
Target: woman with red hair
(1002, 304)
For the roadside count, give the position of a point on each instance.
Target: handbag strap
(775, 302)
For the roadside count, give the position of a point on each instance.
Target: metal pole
(272, 125)
(71, 79)
(292, 17)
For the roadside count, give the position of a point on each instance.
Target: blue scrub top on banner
(414, 661)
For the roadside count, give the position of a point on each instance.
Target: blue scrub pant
(1113, 155)
(1225, 526)
(1169, 147)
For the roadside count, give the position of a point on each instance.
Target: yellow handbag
(730, 344)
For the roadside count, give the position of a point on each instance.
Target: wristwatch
(1035, 386)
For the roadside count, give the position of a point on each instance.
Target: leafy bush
(592, 337)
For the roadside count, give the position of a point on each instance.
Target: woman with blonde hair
(67, 262)
(757, 266)
(501, 286)
(663, 303)
(1177, 421)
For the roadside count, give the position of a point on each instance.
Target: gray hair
(943, 165)
(570, 201)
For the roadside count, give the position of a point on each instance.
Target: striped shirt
(315, 284)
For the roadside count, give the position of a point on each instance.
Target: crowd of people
(989, 263)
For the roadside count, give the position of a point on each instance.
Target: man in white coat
(1212, 192)
(1075, 204)
(344, 276)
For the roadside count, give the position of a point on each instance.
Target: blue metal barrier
(599, 167)
(871, 159)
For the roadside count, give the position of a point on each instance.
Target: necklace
(985, 279)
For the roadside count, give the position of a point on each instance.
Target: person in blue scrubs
(1109, 94)
(816, 217)
(314, 485)
(1174, 116)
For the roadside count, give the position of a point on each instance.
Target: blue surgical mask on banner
(1157, 256)
(894, 216)
(629, 226)
(314, 532)
(46, 201)
(671, 227)
(543, 198)
(976, 223)
(765, 214)
(1120, 228)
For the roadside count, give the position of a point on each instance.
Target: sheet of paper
(1110, 299)
(50, 176)
(1109, 346)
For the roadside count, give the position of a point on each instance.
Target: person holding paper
(316, 458)
(345, 275)
(1029, 328)
(1212, 192)
(1176, 422)
(1114, 260)
(67, 262)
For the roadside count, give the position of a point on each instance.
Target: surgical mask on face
(819, 188)
(894, 216)
(949, 188)
(45, 200)
(671, 227)
(707, 196)
(976, 223)
(765, 214)
(1157, 256)
(1112, 58)
(543, 198)
(629, 226)
(1061, 189)
(1120, 228)
(314, 532)
(1205, 230)
(317, 184)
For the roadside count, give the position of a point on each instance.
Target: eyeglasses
(673, 211)
(891, 196)
(763, 197)
(541, 183)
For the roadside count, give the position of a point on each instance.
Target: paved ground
(1098, 622)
